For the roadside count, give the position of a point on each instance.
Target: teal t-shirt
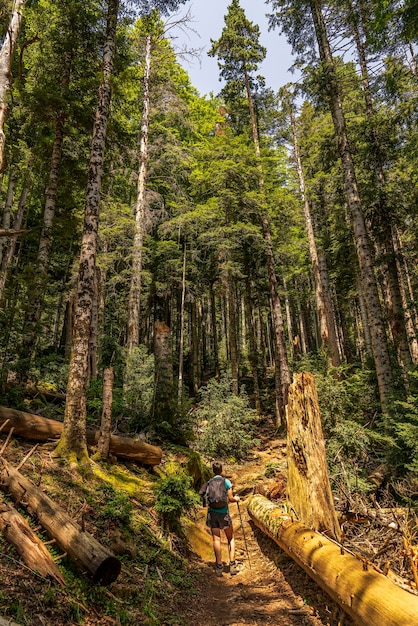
(228, 485)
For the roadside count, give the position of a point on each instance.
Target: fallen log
(364, 593)
(79, 545)
(39, 428)
(33, 552)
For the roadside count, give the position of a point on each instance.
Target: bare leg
(216, 537)
(229, 532)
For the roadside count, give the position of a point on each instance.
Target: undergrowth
(117, 507)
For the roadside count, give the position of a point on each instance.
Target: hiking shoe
(233, 568)
(219, 569)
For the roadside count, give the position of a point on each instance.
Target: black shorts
(218, 520)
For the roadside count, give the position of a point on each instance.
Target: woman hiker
(218, 493)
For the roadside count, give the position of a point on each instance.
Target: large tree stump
(34, 554)
(40, 428)
(308, 486)
(80, 546)
(366, 595)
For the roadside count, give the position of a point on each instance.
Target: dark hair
(217, 468)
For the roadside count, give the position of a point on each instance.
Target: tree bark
(6, 57)
(308, 485)
(80, 546)
(72, 445)
(28, 545)
(39, 428)
(364, 593)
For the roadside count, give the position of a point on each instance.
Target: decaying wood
(34, 554)
(308, 485)
(80, 546)
(364, 593)
(39, 428)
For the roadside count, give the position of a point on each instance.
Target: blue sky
(208, 22)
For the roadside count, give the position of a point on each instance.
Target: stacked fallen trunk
(367, 596)
(79, 545)
(28, 545)
(39, 428)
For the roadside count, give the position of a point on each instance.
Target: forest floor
(270, 588)
(163, 582)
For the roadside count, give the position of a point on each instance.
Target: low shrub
(225, 422)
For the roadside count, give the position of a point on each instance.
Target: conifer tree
(239, 53)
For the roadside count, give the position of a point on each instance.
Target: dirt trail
(270, 588)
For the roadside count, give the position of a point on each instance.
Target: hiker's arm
(231, 497)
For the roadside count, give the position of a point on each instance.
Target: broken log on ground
(38, 428)
(30, 548)
(79, 545)
(363, 592)
(308, 484)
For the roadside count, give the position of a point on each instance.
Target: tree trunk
(6, 57)
(94, 328)
(252, 343)
(134, 304)
(35, 555)
(164, 379)
(368, 278)
(103, 445)
(72, 444)
(214, 332)
(308, 486)
(7, 211)
(233, 333)
(324, 305)
(39, 428)
(290, 332)
(80, 546)
(408, 300)
(11, 245)
(365, 594)
(181, 338)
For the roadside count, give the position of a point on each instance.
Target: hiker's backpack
(214, 493)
